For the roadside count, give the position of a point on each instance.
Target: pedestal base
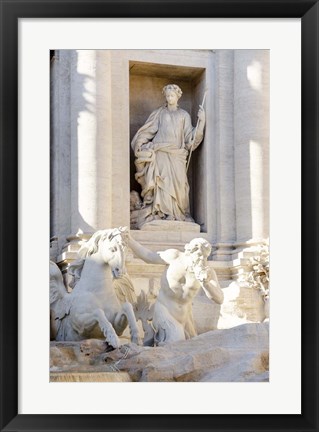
(169, 225)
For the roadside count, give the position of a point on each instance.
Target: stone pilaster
(224, 155)
(90, 170)
(251, 141)
(120, 193)
(60, 154)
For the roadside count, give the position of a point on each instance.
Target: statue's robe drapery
(161, 148)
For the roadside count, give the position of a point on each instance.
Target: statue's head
(198, 246)
(172, 89)
(110, 244)
(197, 251)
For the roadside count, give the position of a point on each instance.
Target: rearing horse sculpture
(92, 309)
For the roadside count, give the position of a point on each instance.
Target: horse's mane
(89, 248)
(75, 270)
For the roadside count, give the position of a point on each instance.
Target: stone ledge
(173, 226)
(89, 376)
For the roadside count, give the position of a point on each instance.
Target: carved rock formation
(229, 355)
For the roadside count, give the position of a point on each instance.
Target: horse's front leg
(107, 328)
(126, 315)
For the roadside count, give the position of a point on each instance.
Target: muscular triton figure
(186, 272)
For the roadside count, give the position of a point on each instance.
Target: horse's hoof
(113, 342)
(109, 347)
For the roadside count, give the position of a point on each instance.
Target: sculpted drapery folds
(161, 148)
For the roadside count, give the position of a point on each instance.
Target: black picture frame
(11, 11)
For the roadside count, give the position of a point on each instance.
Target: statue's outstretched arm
(212, 288)
(143, 253)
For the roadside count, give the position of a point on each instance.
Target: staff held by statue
(192, 146)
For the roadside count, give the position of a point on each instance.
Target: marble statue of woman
(161, 148)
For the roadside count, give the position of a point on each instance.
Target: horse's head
(110, 245)
(112, 248)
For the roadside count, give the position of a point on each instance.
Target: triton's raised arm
(143, 253)
(213, 291)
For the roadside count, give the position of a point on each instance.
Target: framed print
(208, 192)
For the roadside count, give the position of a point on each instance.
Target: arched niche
(146, 81)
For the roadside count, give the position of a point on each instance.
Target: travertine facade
(99, 101)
